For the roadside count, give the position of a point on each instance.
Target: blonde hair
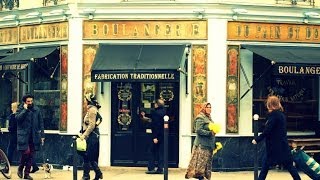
(273, 103)
(14, 106)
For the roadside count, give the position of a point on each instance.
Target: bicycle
(5, 168)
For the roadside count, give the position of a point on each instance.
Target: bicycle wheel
(5, 165)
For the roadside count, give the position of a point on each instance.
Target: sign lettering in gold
(134, 76)
(9, 36)
(250, 31)
(13, 66)
(145, 29)
(44, 32)
(298, 70)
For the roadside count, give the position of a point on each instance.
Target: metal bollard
(75, 155)
(255, 129)
(165, 146)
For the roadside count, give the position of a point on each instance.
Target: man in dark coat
(30, 133)
(275, 135)
(157, 138)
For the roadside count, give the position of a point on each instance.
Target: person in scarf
(90, 132)
(275, 135)
(200, 165)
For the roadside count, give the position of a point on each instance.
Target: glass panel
(168, 93)
(148, 97)
(49, 103)
(299, 96)
(9, 92)
(124, 107)
(46, 80)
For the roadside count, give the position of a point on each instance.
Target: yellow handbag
(81, 144)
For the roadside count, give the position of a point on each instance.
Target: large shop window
(6, 93)
(293, 78)
(41, 73)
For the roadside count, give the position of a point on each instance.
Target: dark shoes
(34, 169)
(154, 172)
(159, 172)
(151, 172)
(20, 174)
(27, 177)
(98, 176)
(85, 178)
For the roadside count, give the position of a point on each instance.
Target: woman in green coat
(200, 165)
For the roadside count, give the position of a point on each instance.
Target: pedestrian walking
(30, 133)
(200, 165)
(12, 131)
(275, 135)
(90, 132)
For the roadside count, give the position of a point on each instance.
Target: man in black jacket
(157, 138)
(30, 133)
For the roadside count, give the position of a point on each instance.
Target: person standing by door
(200, 165)
(12, 131)
(275, 135)
(30, 133)
(157, 148)
(90, 132)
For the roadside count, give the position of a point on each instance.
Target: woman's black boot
(97, 170)
(86, 171)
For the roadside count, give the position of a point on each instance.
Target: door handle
(138, 110)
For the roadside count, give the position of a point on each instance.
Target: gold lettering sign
(145, 30)
(298, 70)
(9, 36)
(44, 32)
(245, 31)
(13, 66)
(133, 76)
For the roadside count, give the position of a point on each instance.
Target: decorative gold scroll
(64, 88)
(232, 89)
(89, 53)
(199, 79)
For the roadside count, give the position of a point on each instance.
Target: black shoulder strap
(99, 117)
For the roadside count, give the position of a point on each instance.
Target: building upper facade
(39, 11)
(23, 4)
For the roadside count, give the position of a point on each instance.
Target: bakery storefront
(135, 63)
(35, 61)
(276, 59)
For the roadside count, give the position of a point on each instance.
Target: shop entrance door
(129, 142)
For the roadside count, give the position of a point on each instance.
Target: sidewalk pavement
(138, 173)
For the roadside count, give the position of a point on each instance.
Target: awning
(20, 60)
(119, 62)
(287, 54)
(28, 54)
(5, 52)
